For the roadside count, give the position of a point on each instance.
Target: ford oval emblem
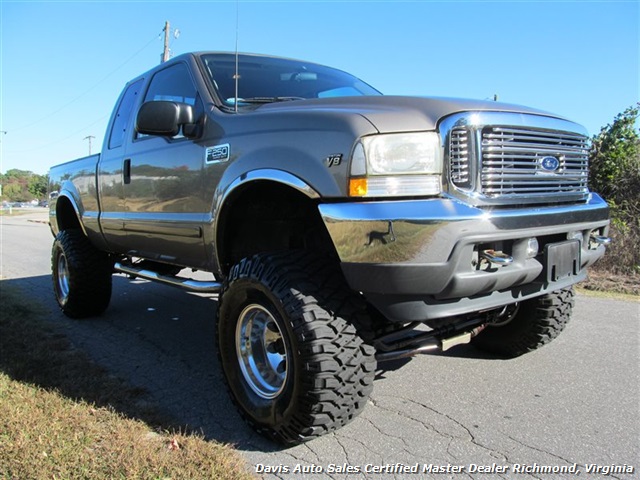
(549, 164)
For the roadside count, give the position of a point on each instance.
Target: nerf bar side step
(184, 283)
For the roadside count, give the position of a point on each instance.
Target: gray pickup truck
(342, 227)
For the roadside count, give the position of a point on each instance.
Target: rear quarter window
(121, 122)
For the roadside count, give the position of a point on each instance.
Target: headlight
(398, 164)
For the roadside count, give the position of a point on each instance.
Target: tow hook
(596, 240)
(496, 258)
(599, 239)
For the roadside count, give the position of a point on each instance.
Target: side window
(173, 84)
(119, 128)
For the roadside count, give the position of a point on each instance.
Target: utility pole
(3, 132)
(165, 53)
(89, 137)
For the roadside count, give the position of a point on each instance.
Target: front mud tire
(537, 322)
(81, 275)
(290, 349)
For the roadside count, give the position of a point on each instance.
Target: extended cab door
(111, 168)
(164, 194)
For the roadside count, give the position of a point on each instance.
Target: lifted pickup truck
(342, 227)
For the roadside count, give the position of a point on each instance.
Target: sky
(64, 63)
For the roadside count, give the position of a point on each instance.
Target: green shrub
(615, 174)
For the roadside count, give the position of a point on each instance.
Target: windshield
(267, 79)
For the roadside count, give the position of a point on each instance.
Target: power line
(48, 116)
(167, 51)
(59, 140)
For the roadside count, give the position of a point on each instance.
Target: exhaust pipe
(409, 344)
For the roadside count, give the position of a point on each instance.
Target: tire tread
(325, 316)
(538, 322)
(89, 271)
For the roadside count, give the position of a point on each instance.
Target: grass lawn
(50, 430)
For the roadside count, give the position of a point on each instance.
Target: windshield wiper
(268, 99)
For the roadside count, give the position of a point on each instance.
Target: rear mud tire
(537, 322)
(81, 275)
(322, 371)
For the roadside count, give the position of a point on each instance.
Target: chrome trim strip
(279, 176)
(66, 193)
(444, 209)
(528, 120)
(161, 229)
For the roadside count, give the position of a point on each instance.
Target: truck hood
(400, 113)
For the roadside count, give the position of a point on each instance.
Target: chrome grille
(459, 158)
(512, 162)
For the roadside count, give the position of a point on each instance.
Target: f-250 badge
(333, 160)
(217, 153)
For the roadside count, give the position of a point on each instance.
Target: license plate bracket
(562, 260)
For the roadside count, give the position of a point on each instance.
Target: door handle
(126, 171)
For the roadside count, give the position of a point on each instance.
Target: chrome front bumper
(420, 259)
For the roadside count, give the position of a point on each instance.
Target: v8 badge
(333, 160)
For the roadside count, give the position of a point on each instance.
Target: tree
(13, 192)
(17, 173)
(614, 159)
(615, 173)
(38, 185)
(23, 185)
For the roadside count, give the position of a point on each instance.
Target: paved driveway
(574, 403)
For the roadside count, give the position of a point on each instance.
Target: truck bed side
(74, 197)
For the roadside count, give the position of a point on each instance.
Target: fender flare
(71, 197)
(261, 174)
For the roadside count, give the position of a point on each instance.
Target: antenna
(236, 76)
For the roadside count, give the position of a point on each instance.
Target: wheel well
(66, 216)
(265, 217)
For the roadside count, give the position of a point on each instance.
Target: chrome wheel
(63, 278)
(292, 358)
(262, 352)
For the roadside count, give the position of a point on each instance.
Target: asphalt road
(575, 401)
